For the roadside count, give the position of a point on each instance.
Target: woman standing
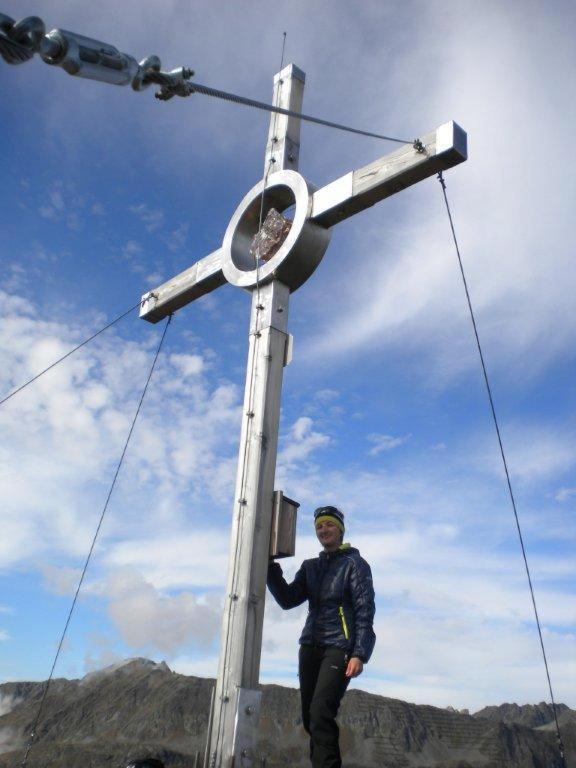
(338, 637)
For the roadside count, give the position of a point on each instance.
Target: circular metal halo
(301, 251)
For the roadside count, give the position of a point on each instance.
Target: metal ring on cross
(298, 255)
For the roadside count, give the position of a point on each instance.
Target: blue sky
(110, 192)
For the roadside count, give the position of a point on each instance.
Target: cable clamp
(174, 83)
(419, 147)
(147, 297)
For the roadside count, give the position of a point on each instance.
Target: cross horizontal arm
(357, 190)
(441, 149)
(202, 277)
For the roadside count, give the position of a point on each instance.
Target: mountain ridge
(141, 708)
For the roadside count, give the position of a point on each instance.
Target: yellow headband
(326, 518)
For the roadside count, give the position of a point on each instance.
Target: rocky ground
(141, 708)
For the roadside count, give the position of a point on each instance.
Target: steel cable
(207, 91)
(71, 352)
(90, 551)
(505, 464)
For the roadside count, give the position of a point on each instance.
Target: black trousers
(322, 685)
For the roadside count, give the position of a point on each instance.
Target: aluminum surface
(248, 703)
(241, 635)
(283, 144)
(443, 148)
(301, 251)
(243, 619)
(357, 190)
(202, 277)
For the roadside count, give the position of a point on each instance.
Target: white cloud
(516, 246)
(64, 436)
(178, 237)
(199, 664)
(302, 440)
(533, 451)
(189, 365)
(153, 218)
(563, 494)
(197, 557)
(148, 619)
(62, 203)
(385, 442)
(4, 635)
(153, 279)
(326, 395)
(7, 703)
(60, 580)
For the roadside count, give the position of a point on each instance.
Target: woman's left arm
(362, 593)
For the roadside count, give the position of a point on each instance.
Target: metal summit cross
(236, 702)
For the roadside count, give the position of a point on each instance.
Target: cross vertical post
(237, 698)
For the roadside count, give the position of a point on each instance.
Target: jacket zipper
(344, 625)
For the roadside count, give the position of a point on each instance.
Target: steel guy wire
(91, 550)
(71, 352)
(207, 91)
(504, 462)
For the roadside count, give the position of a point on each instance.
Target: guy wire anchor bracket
(85, 57)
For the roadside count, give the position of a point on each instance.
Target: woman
(338, 637)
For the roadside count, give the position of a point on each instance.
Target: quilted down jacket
(338, 587)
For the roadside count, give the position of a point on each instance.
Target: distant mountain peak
(129, 666)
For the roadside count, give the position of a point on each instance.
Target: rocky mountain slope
(141, 708)
(532, 715)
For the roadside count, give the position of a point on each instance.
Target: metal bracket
(247, 716)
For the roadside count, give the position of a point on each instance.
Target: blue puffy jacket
(338, 587)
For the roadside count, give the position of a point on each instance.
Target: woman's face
(328, 535)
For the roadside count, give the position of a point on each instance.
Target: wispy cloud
(153, 218)
(385, 442)
(177, 238)
(61, 203)
(408, 294)
(150, 620)
(302, 440)
(563, 494)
